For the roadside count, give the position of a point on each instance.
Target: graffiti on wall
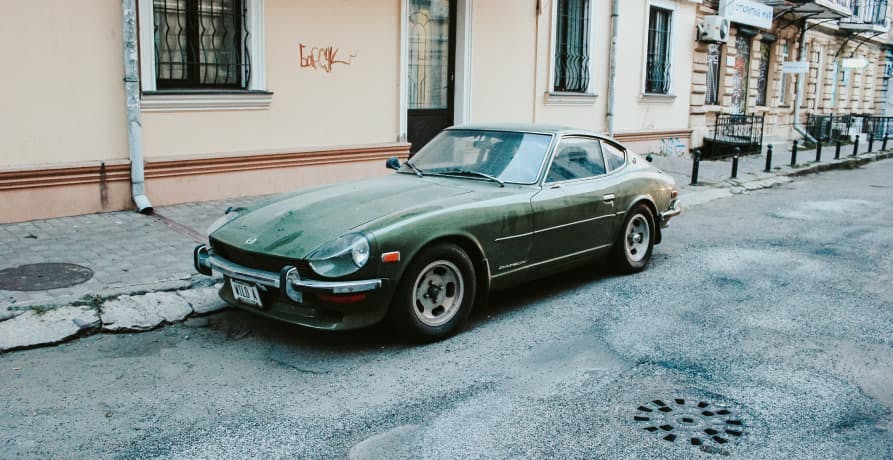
(672, 147)
(322, 58)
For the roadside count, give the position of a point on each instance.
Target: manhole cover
(694, 422)
(40, 277)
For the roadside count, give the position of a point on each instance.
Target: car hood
(295, 224)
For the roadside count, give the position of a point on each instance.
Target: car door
(574, 210)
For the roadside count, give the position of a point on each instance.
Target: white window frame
(666, 5)
(252, 98)
(589, 95)
(783, 85)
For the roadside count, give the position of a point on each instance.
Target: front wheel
(435, 295)
(634, 246)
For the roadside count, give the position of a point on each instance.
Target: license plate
(246, 293)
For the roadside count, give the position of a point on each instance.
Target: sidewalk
(131, 254)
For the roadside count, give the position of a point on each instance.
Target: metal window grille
(572, 46)
(657, 78)
(763, 74)
(201, 44)
(714, 71)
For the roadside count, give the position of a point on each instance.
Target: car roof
(529, 128)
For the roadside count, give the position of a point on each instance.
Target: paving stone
(143, 312)
(203, 300)
(43, 328)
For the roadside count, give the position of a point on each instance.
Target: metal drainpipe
(612, 64)
(801, 83)
(134, 123)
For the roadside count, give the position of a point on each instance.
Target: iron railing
(867, 13)
(831, 128)
(735, 134)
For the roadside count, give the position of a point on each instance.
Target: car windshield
(503, 155)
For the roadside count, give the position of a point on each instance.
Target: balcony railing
(868, 15)
(817, 9)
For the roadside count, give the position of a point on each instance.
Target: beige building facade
(249, 97)
(745, 74)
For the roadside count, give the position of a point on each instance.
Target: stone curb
(125, 313)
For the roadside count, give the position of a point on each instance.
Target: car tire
(635, 243)
(435, 295)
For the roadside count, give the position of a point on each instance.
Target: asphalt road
(765, 318)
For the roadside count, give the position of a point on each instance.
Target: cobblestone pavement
(128, 252)
(133, 253)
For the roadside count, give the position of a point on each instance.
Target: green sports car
(479, 208)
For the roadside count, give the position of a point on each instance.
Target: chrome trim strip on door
(573, 223)
(504, 238)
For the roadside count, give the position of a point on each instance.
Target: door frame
(462, 83)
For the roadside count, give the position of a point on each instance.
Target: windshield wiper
(468, 172)
(415, 169)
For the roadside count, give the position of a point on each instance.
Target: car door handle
(609, 198)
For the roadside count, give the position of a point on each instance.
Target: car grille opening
(261, 261)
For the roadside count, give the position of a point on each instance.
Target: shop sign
(854, 63)
(747, 12)
(795, 67)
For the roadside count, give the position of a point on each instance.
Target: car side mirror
(650, 158)
(392, 163)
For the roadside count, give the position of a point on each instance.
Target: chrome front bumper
(674, 210)
(288, 281)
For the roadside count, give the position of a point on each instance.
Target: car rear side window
(577, 158)
(613, 156)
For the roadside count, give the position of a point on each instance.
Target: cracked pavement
(774, 305)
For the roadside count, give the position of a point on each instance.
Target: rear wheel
(634, 246)
(435, 295)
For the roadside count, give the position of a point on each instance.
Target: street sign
(854, 63)
(795, 67)
(747, 12)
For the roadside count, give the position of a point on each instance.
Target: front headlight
(227, 218)
(342, 256)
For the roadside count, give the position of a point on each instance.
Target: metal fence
(832, 128)
(735, 134)
(878, 126)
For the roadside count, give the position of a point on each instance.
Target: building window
(763, 74)
(783, 88)
(200, 44)
(572, 46)
(657, 67)
(714, 73)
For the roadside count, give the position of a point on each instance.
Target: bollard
(769, 158)
(818, 150)
(884, 143)
(837, 151)
(695, 165)
(856, 147)
(794, 154)
(735, 162)
(870, 142)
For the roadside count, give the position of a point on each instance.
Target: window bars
(572, 46)
(657, 79)
(201, 44)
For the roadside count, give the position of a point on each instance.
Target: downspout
(134, 124)
(612, 64)
(801, 83)
(536, 56)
